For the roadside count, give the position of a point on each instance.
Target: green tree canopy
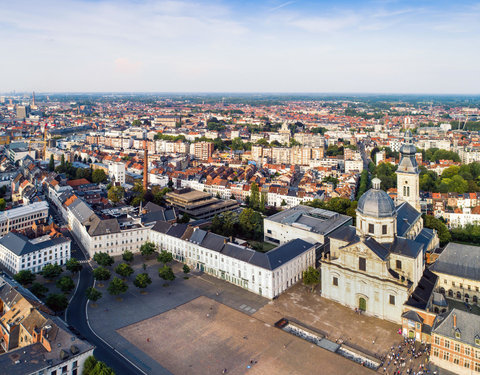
(148, 248)
(186, 269)
(57, 302)
(251, 223)
(24, 277)
(99, 176)
(116, 193)
(311, 277)
(127, 256)
(165, 257)
(93, 294)
(103, 259)
(65, 284)
(39, 290)
(123, 269)
(166, 273)
(73, 265)
(51, 271)
(117, 286)
(442, 230)
(101, 273)
(142, 280)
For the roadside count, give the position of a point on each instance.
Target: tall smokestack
(454, 320)
(145, 166)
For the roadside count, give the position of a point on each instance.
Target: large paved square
(205, 337)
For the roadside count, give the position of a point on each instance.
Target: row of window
(460, 285)
(457, 347)
(445, 355)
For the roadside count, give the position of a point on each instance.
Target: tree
(123, 269)
(184, 219)
(254, 196)
(148, 248)
(186, 269)
(3, 204)
(142, 280)
(127, 256)
(73, 265)
(101, 273)
(65, 284)
(57, 302)
(283, 204)
(164, 257)
(166, 273)
(433, 223)
(93, 367)
(103, 259)
(117, 286)
(99, 176)
(311, 277)
(251, 223)
(93, 294)
(51, 271)
(24, 277)
(51, 163)
(116, 193)
(89, 365)
(39, 290)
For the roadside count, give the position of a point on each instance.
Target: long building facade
(266, 274)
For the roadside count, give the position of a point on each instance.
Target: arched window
(442, 291)
(450, 293)
(459, 295)
(475, 299)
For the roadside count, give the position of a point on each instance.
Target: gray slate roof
(376, 203)
(459, 260)
(20, 245)
(406, 217)
(468, 325)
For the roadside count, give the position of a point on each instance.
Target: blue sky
(381, 46)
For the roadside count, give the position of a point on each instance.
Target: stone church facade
(377, 264)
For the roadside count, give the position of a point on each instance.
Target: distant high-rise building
(22, 112)
(203, 150)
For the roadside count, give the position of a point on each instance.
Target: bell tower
(408, 175)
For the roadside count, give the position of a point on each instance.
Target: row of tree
(248, 224)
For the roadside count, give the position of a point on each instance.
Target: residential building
(35, 342)
(202, 150)
(266, 274)
(23, 217)
(457, 268)
(456, 342)
(117, 172)
(18, 253)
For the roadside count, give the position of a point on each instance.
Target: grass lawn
(262, 246)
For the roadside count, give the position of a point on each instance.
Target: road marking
(105, 342)
(73, 295)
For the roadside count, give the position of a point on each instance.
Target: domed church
(377, 264)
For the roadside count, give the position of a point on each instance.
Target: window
(384, 229)
(399, 264)
(362, 264)
(467, 351)
(477, 366)
(435, 352)
(371, 228)
(335, 281)
(392, 300)
(447, 344)
(457, 347)
(64, 369)
(456, 360)
(446, 356)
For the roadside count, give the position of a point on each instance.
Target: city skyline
(233, 46)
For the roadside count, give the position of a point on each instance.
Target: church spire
(408, 175)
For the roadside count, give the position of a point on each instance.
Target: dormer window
(477, 340)
(457, 334)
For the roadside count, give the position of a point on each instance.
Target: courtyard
(206, 337)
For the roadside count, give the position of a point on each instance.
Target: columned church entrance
(362, 304)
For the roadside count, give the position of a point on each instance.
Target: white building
(267, 274)
(376, 265)
(117, 171)
(22, 217)
(311, 224)
(18, 253)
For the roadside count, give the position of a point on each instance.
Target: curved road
(76, 316)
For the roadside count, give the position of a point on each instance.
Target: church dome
(376, 202)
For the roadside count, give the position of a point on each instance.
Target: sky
(379, 46)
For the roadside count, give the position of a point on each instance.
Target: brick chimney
(145, 167)
(454, 320)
